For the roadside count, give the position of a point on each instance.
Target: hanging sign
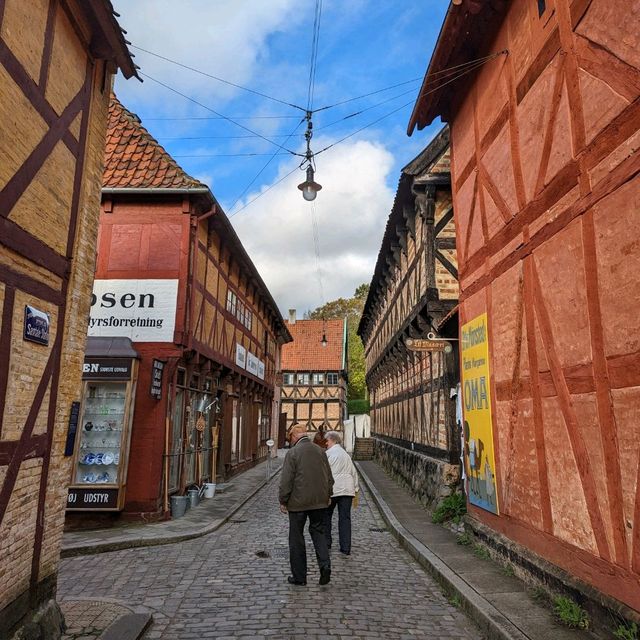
(260, 369)
(252, 364)
(36, 325)
(478, 428)
(156, 379)
(423, 344)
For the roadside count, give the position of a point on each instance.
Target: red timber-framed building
(57, 61)
(414, 291)
(173, 278)
(546, 186)
(314, 373)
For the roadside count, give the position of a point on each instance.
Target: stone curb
(133, 543)
(480, 610)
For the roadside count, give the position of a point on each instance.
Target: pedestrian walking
(345, 488)
(305, 491)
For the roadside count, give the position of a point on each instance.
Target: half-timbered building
(173, 278)
(57, 61)
(414, 289)
(314, 373)
(545, 175)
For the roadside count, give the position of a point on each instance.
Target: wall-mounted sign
(36, 325)
(156, 379)
(423, 344)
(252, 364)
(480, 464)
(241, 356)
(92, 498)
(72, 429)
(142, 310)
(110, 368)
(260, 369)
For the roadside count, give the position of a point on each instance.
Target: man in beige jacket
(305, 491)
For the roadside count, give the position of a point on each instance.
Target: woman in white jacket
(345, 488)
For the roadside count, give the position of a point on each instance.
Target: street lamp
(309, 188)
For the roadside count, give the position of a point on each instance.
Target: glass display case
(103, 434)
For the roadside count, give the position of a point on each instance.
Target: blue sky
(364, 45)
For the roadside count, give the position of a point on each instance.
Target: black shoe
(299, 583)
(345, 553)
(325, 576)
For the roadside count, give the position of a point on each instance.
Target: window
(231, 302)
(318, 378)
(542, 5)
(287, 378)
(332, 378)
(302, 378)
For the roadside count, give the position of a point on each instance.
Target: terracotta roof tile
(306, 352)
(134, 158)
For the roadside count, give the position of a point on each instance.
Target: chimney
(292, 316)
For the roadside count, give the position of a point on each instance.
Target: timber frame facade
(57, 60)
(546, 182)
(413, 289)
(314, 377)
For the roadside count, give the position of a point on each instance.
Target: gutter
(155, 190)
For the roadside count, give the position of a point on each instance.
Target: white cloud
(227, 38)
(351, 213)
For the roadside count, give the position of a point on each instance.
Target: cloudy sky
(265, 46)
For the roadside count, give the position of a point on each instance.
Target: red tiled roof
(134, 158)
(306, 352)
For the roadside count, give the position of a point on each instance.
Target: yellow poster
(479, 458)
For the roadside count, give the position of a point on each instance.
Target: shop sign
(260, 369)
(241, 356)
(36, 325)
(478, 428)
(156, 379)
(142, 310)
(423, 344)
(109, 368)
(72, 429)
(92, 498)
(252, 364)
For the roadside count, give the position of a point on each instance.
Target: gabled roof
(135, 159)
(306, 352)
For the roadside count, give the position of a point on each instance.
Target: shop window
(332, 378)
(208, 384)
(302, 378)
(181, 377)
(176, 439)
(234, 430)
(195, 381)
(318, 378)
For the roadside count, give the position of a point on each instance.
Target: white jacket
(345, 476)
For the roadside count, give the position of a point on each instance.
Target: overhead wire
(314, 55)
(166, 86)
(180, 118)
(217, 78)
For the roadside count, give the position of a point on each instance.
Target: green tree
(351, 308)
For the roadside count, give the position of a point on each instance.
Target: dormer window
(542, 6)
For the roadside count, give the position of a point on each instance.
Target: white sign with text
(142, 310)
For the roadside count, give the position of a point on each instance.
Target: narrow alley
(232, 583)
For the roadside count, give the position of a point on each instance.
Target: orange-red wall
(546, 198)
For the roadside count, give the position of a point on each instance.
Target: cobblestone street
(232, 583)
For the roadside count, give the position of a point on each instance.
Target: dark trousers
(297, 548)
(344, 521)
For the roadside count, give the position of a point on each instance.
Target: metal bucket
(178, 506)
(209, 489)
(194, 497)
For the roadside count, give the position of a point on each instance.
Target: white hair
(333, 435)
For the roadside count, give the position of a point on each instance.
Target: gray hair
(333, 435)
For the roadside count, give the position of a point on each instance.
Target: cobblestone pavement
(87, 619)
(232, 584)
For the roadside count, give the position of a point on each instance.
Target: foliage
(507, 570)
(358, 405)
(480, 552)
(627, 631)
(453, 506)
(455, 601)
(351, 309)
(570, 613)
(539, 594)
(464, 539)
